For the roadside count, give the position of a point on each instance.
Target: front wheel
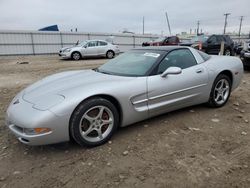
(94, 122)
(76, 56)
(221, 91)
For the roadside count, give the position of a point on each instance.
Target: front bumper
(65, 55)
(23, 116)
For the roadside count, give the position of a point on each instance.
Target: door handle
(199, 70)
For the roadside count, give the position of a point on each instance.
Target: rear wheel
(227, 52)
(76, 56)
(221, 91)
(94, 122)
(110, 54)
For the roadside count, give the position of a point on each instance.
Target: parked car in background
(163, 41)
(237, 48)
(245, 54)
(212, 45)
(194, 41)
(90, 48)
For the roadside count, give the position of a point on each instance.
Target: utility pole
(143, 25)
(225, 25)
(241, 18)
(198, 27)
(168, 24)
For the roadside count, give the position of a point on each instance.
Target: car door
(102, 47)
(90, 49)
(213, 45)
(180, 90)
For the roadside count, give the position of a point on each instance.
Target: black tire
(81, 110)
(212, 101)
(110, 54)
(76, 56)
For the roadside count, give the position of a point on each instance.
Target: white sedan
(90, 48)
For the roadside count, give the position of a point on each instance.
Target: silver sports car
(89, 105)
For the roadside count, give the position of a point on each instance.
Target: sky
(116, 15)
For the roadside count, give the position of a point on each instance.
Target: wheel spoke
(222, 98)
(99, 133)
(216, 89)
(221, 84)
(90, 119)
(109, 121)
(225, 89)
(217, 97)
(87, 132)
(99, 115)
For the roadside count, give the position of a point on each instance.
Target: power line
(168, 24)
(198, 27)
(225, 25)
(241, 18)
(143, 25)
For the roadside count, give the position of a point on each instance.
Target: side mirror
(85, 46)
(171, 70)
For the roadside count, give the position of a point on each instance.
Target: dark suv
(213, 44)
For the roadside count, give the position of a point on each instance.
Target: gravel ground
(192, 147)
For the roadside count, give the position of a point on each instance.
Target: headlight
(67, 50)
(48, 102)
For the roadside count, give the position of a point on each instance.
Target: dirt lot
(193, 147)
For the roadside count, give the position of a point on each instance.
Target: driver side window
(92, 44)
(181, 58)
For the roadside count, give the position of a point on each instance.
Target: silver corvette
(89, 105)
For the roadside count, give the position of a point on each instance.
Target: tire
(94, 122)
(110, 54)
(220, 94)
(76, 56)
(227, 52)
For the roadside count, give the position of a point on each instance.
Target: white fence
(41, 42)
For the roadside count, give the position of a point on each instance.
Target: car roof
(95, 40)
(162, 48)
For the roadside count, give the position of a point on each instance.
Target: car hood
(66, 81)
(64, 48)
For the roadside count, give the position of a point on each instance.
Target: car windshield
(201, 38)
(82, 43)
(131, 63)
(159, 39)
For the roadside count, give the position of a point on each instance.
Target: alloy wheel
(96, 123)
(76, 56)
(221, 91)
